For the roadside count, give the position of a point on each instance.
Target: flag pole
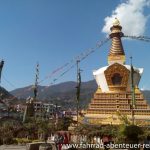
(132, 92)
(36, 82)
(78, 90)
(1, 67)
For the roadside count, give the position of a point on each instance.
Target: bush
(132, 132)
(23, 140)
(9, 140)
(36, 141)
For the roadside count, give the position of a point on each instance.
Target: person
(106, 143)
(60, 141)
(147, 143)
(45, 137)
(56, 140)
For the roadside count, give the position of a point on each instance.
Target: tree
(132, 133)
(7, 131)
(129, 134)
(64, 123)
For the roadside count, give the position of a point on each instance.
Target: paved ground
(12, 147)
(16, 147)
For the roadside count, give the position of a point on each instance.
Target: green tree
(7, 133)
(130, 134)
(64, 123)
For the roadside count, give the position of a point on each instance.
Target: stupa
(115, 94)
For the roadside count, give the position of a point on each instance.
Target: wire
(8, 82)
(80, 57)
(142, 38)
(72, 63)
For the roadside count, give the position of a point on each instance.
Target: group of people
(60, 139)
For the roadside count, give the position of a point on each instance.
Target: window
(116, 79)
(117, 106)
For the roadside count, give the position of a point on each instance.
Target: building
(42, 110)
(116, 96)
(19, 108)
(46, 110)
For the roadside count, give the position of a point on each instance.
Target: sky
(53, 32)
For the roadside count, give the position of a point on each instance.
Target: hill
(147, 95)
(64, 93)
(6, 97)
(4, 93)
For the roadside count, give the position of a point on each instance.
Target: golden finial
(116, 22)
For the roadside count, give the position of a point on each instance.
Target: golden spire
(116, 53)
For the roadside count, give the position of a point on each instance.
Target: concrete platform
(12, 147)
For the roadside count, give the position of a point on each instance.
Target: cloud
(131, 16)
(144, 88)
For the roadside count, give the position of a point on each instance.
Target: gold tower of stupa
(114, 93)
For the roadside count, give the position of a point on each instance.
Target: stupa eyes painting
(116, 79)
